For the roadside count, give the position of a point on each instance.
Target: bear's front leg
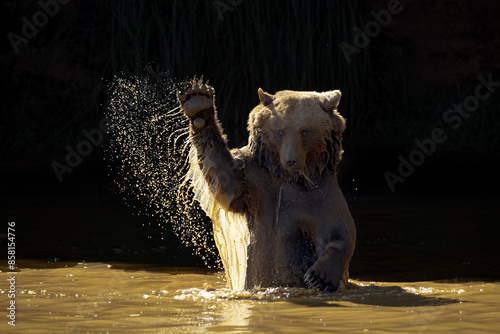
(327, 272)
(197, 100)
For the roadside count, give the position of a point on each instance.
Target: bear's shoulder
(255, 174)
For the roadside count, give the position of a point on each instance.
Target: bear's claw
(195, 96)
(313, 281)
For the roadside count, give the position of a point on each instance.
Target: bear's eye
(304, 133)
(280, 132)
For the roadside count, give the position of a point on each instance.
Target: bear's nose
(291, 163)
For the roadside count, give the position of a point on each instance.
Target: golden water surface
(126, 298)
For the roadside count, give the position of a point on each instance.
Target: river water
(427, 265)
(127, 298)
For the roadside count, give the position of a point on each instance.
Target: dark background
(441, 223)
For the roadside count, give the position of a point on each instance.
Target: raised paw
(195, 96)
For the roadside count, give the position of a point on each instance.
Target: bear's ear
(330, 100)
(265, 98)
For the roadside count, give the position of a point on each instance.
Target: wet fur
(301, 231)
(326, 161)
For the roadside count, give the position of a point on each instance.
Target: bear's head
(297, 135)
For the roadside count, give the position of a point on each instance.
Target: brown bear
(280, 218)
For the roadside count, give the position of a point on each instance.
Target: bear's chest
(296, 204)
(283, 224)
(285, 207)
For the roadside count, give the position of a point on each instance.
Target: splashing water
(148, 155)
(230, 229)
